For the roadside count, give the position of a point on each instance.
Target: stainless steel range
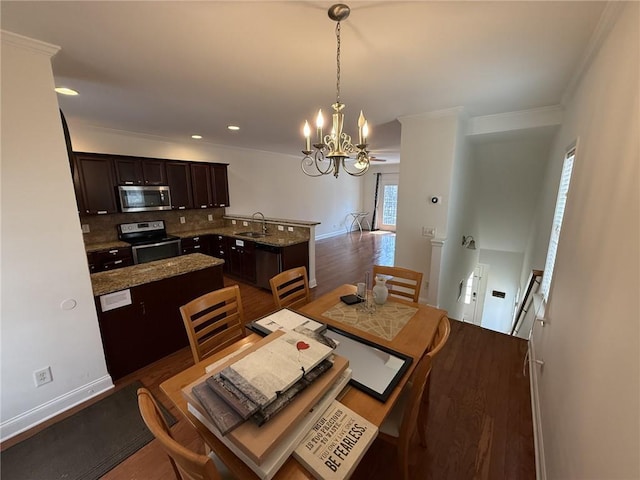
(149, 241)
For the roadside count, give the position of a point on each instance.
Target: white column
(434, 273)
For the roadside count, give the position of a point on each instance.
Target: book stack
(261, 402)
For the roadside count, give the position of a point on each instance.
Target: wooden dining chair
(214, 321)
(403, 420)
(290, 288)
(405, 283)
(186, 464)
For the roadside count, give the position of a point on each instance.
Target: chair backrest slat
(213, 321)
(405, 283)
(290, 288)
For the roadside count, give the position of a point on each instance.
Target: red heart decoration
(302, 345)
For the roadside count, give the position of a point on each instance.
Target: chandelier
(335, 149)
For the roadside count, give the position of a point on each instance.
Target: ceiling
(172, 69)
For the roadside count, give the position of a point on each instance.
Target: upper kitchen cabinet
(96, 179)
(140, 171)
(179, 181)
(210, 185)
(220, 185)
(201, 184)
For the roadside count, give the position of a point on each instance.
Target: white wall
(503, 276)
(43, 260)
(258, 181)
(588, 390)
(427, 150)
(508, 182)
(457, 261)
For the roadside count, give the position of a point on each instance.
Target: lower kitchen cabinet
(102, 260)
(199, 244)
(242, 259)
(151, 326)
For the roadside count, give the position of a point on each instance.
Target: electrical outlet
(42, 376)
(281, 228)
(86, 228)
(233, 222)
(290, 229)
(210, 217)
(182, 220)
(428, 231)
(245, 224)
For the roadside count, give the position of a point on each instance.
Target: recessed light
(233, 127)
(66, 91)
(196, 137)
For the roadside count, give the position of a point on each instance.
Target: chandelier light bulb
(365, 131)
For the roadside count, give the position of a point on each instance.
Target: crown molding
(608, 19)
(35, 46)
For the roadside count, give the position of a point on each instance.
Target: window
(554, 238)
(390, 204)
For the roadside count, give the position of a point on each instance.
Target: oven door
(155, 251)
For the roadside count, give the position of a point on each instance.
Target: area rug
(84, 446)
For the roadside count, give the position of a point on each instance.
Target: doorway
(475, 289)
(387, 209)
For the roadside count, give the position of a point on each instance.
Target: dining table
(412, 337)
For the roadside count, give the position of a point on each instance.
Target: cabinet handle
(117, 262)
(181, 208)
(113, 252)
(196, 239)
(144, 311)
(128, 183)
(196, 246)
(223, 204)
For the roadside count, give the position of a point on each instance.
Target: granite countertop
(278, 239)
(275, 238)
(127, 277)
(95, 247)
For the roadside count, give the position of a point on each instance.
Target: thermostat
(436, 200)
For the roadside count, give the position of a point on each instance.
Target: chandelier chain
(338, 64)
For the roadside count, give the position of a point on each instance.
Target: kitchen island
(139, 307)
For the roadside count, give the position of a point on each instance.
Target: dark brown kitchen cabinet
(151, 327)
(139, 171)
(97, 180)
(242, 259)
(210, 185)
(198, 244)
(102, 260)
(295, 256)
(179, 181)
(220, 185)
(218, 247)
(201, 185)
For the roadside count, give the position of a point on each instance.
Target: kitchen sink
(253, 234)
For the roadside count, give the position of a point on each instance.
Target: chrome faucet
(264, 225)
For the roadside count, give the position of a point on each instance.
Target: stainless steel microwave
(137, 198)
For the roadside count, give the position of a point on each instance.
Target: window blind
(554, 238)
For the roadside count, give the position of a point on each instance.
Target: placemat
(385, 322)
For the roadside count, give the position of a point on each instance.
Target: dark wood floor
(479, 425)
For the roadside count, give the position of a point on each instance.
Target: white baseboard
(541, 471)
(331, 234)
(56, 406)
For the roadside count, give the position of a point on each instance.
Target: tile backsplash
(103, 228)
